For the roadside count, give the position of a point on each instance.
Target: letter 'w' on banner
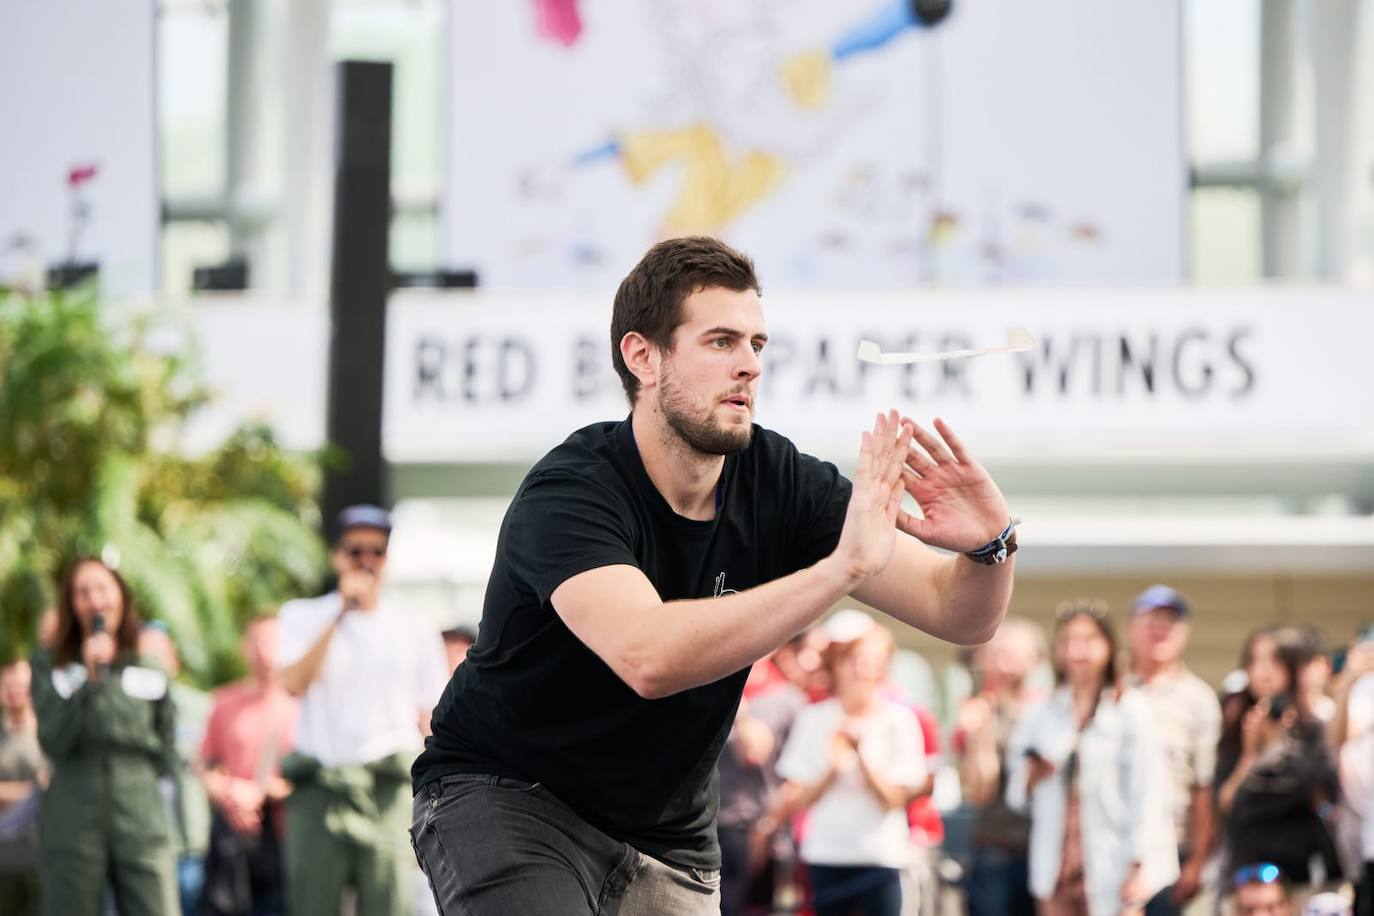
(1019, 340)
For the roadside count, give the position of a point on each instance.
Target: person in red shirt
(252, 726)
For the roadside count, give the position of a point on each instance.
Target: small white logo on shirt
(720, 587)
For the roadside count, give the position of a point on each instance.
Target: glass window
(415, 241)
(1224, 234)
(1221, 40)
(192, 50)
(188, 244)
(411, 36)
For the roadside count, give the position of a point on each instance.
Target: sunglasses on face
(1258, 873)
(1067, 610)
(357, 553)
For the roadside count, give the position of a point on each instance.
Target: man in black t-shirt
(641, 568)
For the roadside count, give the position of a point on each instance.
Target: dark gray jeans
(492, 846)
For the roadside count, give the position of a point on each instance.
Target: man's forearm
(972, 598)
(948, 596)
(796, 796)
(684, 644)
(980, 770)
(1201, 824)
(298, 677)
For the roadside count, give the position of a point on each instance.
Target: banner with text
(1115, 374)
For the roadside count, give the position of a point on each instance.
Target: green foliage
(91, 412)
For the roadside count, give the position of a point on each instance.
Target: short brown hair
(649, 300)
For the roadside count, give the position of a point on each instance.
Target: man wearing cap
(1189, 719)
(368, 674)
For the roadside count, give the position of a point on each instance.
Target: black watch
(997, 550)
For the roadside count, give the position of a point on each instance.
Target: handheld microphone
(98, 626)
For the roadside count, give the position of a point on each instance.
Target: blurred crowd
(1096, 774)
(1081, 771)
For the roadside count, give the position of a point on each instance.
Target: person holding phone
(1089, 766)
(368, 674)
(107, 725)
(1274, 803)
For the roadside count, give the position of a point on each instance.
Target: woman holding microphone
(106, 725)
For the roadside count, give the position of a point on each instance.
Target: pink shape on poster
(558, 20)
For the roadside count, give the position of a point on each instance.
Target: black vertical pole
(360, 280)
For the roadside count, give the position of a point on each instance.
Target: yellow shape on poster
(715, 189)
(807, 77)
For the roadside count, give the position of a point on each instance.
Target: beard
(704, 434)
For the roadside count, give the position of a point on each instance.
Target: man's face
(1007, 660)
(1262, 900)
(708, 381)
(260, 642)
(360, 549)
(1158, 635)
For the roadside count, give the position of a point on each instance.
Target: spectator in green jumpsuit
(106, 724)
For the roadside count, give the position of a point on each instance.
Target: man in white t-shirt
(368, 675)
(1189, 718)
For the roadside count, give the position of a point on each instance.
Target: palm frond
(86, 395)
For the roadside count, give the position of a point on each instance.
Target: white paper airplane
(1019, 340)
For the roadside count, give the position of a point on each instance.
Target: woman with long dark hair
(1276, 780)
(106, 725)
(1272, 659)
(1088, 765)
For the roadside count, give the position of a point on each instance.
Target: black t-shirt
(532, 702)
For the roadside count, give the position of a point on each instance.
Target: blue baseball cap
(362, 516)
(1162, 596)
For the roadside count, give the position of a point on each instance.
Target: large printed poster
(841, 144)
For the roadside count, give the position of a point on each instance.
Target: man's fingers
(933, 446)
(903, 448)
(956, 445)
(896, 488)
(892, 466)
(888, 444)
(918, 460)
(885, 433)
(910, 524)
(865, 455)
